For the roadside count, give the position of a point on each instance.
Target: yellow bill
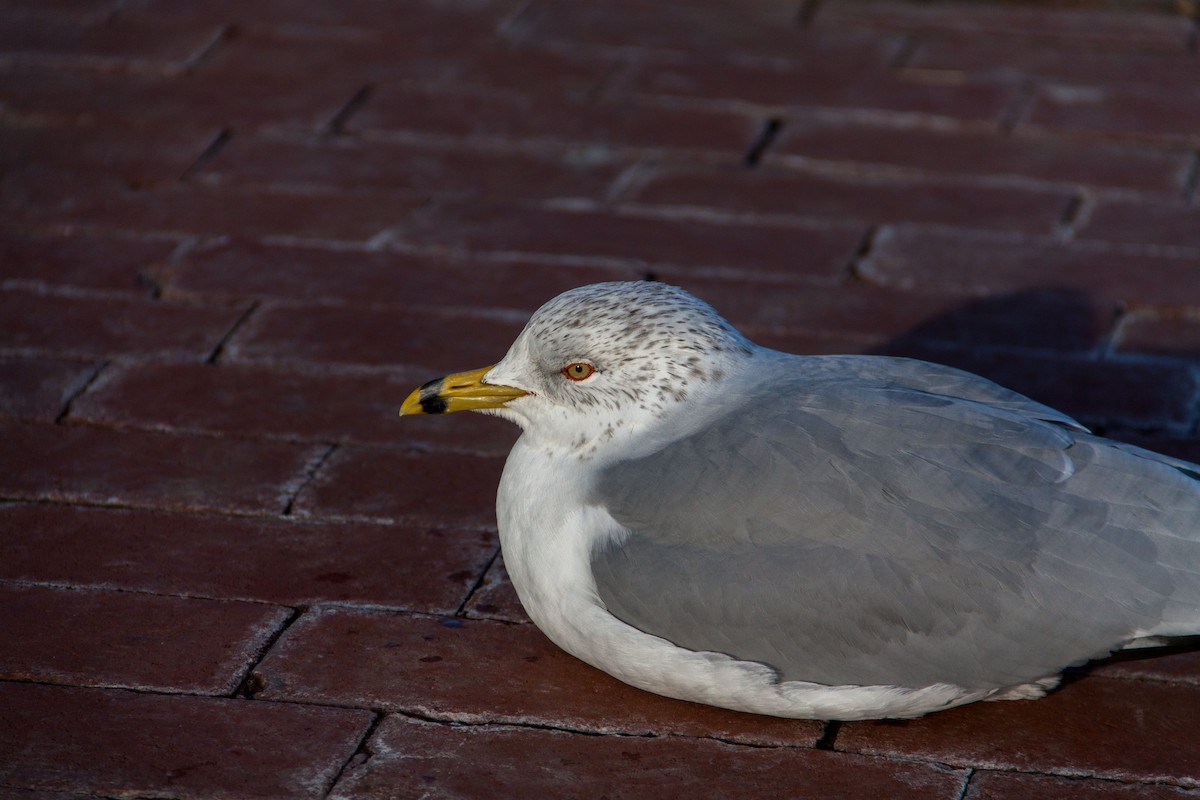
(462, 391)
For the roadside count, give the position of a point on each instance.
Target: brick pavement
(234, 234)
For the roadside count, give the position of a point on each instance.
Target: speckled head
(644, 346)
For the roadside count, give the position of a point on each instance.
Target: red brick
(821, 84)
(1115, 729)
(555, 121)
(94, 262)
(908, 257)
(24, 794)
(420, 489)
(1042, 320)
(105, 467)
(241, 269)
(131, 640)
(824, 138)
(1158, 664)
(1085, 27)
(253, 400)
(1007, 60)
(819, 253)
(481, 671)
(40, 388)
(120, 742)
(259, 560)
(1145, 223)
(114, 43)
(1170, 333)
(79, 11)
(1171, 117)
(58, 198)
(447, 57)
(405, 168)
(419, 758)
(1016, 786)
(1134, 393)
(512, 67)
(809, 195)
(438, 342)
(495, 598)
(100, 326)
(161, 156)
(760, 29)
(474, 17)
(152, 101)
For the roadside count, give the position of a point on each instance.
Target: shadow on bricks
(1062, 348)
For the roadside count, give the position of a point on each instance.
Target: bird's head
(596, 360)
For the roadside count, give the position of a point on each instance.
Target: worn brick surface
(441, 171)
(377, 337)
(827, 138)
(400, 110)
(1015, 786)
(913, 257)
(71, 739)
(1050, 320)
(142, 641)
(105, 44)
(268, 561)
(102, 326)
(25, 794)
(1048, 61)
(654, 243)
(105, 151)
(762, 29)
(820, 84)
(1170, 664)
(806, 195)
(150, 100)
(243, 269)
(1115, 729)
(94, 262)
(1131, 112)
(444, 55)
(57, 462)
(473, 18)
(483, 671)
(1062, 27)
(425, 488)
(415, 758)
(1163, 223)
(40, 388)
(253, 400)
(62, 199)
(495, 597)
(1171, 333)
(81, 11)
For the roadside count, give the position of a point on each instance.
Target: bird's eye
(578, 371)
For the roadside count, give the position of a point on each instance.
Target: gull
(833, 537)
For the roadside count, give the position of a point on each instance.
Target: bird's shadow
(1063, 348)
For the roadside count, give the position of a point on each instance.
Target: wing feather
(846, 527)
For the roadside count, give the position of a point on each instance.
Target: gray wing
(846, 528)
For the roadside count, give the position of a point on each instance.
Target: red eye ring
(578, 370)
